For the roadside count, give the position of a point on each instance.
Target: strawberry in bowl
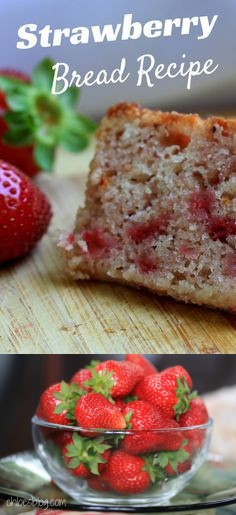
(122, 432)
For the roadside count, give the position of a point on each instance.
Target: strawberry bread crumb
(160, 207)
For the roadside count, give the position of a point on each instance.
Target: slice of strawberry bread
(160, 208)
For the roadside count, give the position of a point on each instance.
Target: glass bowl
(174, 455)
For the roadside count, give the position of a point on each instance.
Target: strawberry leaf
(184, 395)
(86, 123)
(18, 100)
(19, 137)
(74, 463)
(93, 363)
(72, 141)
(127, 418)
(154, 471)
(44, 156)
(7, 84)
(70, 97)
(42, 76)
(60, 408)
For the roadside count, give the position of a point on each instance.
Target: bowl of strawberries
(122, 432)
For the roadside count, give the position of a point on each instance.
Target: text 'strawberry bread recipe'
(160, 207)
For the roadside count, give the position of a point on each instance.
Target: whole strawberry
(168, 392)
(195, 416)
(58, 401)
(85, 455)
(25, 213)
(140, 360)
(153, 437)
(115, 378)
(47, 404)
(84, 374)
(95, 411)
(126, 473)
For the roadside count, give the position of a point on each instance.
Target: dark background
(23, 378)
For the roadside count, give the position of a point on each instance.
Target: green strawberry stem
(101, 382)
(93, 363)
(38, 118)
(172, 458)
(155, 472)
(184, 395)
(155, 464)
(87, 451)
(69, 395)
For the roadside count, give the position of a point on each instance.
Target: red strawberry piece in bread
(180, 372)
(139, 359)
(116, 378)
(126, 474)
(195, 416)
(166, 391)
(81, 376)
(153, 437)
(93, 410)
(25, 213)
(86, 455)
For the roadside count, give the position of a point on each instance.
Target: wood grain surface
(44, 311)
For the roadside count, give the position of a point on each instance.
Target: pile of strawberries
(142, 412)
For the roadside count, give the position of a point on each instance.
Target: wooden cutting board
(44, 311)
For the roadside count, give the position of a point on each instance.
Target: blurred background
(212, 93)
(24, 377)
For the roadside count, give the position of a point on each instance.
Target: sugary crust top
(178, 121)
(146, 117)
